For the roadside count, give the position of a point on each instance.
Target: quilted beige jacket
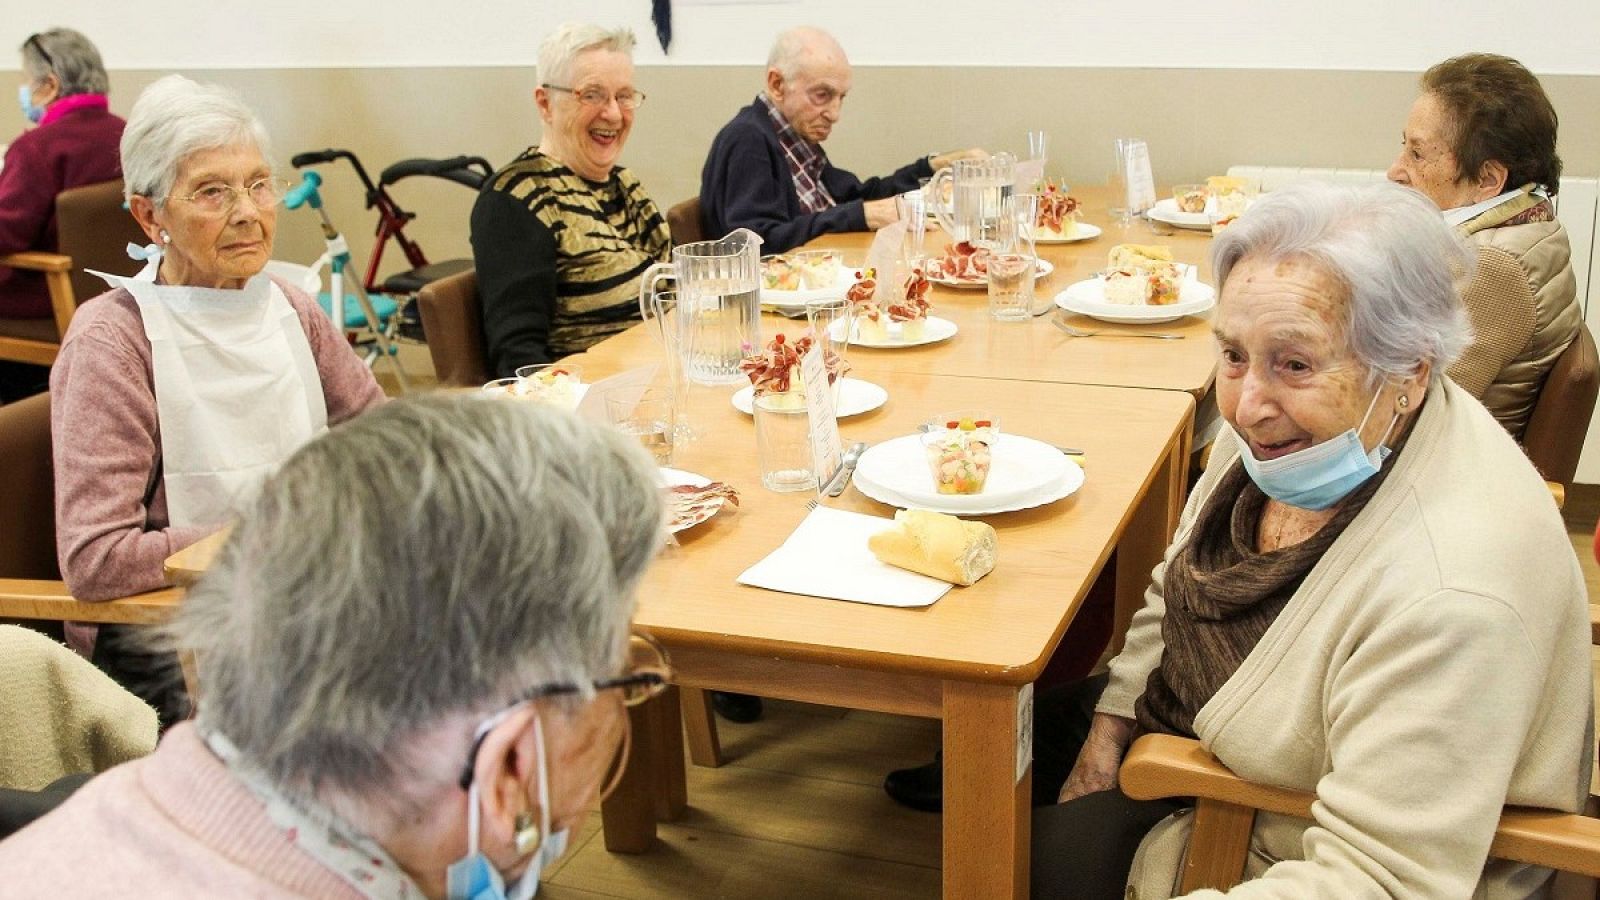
(1523, 300)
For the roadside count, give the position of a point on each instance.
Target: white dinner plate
(1084, 232)
(1089, 298)
(855, 397)
(1167, 211)
(933, 332)
(1023, 473)
(789, 302)
(673, 477)
(1045, 268)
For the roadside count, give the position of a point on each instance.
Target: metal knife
(847, 467)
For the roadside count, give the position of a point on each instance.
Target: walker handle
(305, 192)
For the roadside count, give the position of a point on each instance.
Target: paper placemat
(827, 556)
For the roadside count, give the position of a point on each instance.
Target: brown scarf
(1222, 595)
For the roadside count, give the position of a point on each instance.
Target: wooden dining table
(971, 658)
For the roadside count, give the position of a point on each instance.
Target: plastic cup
(783, 444)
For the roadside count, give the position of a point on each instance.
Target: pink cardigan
(112, 532)
(173, 824)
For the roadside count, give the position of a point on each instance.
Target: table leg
(1154, 521)
(704, 747)
(672, 791)
(628, 816)
(987, 808)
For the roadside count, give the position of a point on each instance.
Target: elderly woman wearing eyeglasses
(561, 235)
(179, 390)
(382, 722)
(767, 170)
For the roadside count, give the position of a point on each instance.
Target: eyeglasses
(649, 671)
(38, 47)
(219, 199)
(598, 96)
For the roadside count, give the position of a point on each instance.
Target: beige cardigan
(1433, 667)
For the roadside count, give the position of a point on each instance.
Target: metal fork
(1083, 333)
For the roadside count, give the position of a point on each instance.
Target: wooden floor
(799, 810)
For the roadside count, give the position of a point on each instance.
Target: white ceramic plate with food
(1045, 268)
(794, 302)
(855, 397)
(694, 510)
(1167, 211)
(1023, 472)
(1088, 298)
(1084, 232)
(934, 330)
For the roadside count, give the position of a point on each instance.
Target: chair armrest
(1558, 493)
(37, 261)
(22, 598)
(1594, 624)
(1161, 765)
(1566, 841)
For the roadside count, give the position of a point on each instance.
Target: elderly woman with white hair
(1370, 595)
(178, 390)
(73, 143)
(427, 712)
(561, 235)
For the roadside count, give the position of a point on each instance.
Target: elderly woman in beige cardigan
(1370, 595)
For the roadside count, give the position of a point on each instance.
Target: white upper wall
(1552, 37)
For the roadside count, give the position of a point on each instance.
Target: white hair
(69, 56)
(791, 49)
(560, 49)
(426, 563)
(175, 118)
(1391, 250)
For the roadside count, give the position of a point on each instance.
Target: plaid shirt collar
(806, 161)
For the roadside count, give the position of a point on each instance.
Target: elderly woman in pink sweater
(178, 390)
(427, 712)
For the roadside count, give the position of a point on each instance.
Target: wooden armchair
(30, 584)
(685, 223)
(92, 232)
(453, 322)
(1159, 765)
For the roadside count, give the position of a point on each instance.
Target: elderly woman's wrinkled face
(1426, 161)
(1288, 378)
(587, 138)
(216, 248)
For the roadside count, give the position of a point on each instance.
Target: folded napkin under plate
(827, 556)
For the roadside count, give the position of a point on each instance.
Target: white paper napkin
(632, 384)
(827, 556)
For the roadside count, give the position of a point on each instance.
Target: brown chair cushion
(27, 501)
(683, 219)
(94, 229)
(1560, 420)
(453, 322)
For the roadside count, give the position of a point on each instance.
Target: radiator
(1578, 208)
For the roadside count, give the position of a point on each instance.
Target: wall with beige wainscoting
(1197, 122)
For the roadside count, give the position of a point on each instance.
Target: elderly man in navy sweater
(767, 170)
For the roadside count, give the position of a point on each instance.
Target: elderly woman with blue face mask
(428, 710)
(1370, 595)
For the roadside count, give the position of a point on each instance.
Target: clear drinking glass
(1011, 277)
(912, 208)
(830, 325)
(1120, 215)
(648, 418)
(783, 444)
(662, 312)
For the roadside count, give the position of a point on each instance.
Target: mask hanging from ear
(1323, 474)
(30, 110)
(473, 877)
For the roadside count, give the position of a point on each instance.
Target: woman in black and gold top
(562, 234)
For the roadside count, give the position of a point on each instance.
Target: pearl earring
(165, 238)
(1404, 401)
(527, 837)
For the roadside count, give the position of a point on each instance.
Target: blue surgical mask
(473, 877)
(29, 109)
(1323, 474)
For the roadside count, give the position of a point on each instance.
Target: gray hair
(175, 118)
(431, 560)
(560, 49)
(1390, 249)
(791, 49)
(70, 57)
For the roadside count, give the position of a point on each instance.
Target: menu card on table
(824, 424)
(630, 384)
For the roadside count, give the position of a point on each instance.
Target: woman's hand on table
(1100, 758)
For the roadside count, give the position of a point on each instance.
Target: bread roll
(937, 545)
